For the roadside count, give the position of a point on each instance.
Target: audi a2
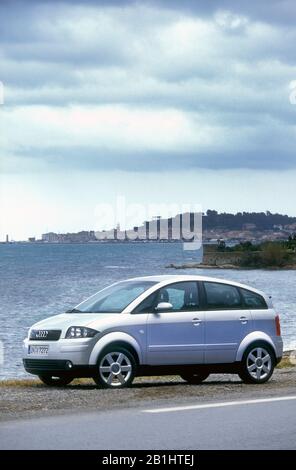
(186, 325)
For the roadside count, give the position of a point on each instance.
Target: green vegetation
(285, 363)
(274, 254)
(38, 384)
(251, 220)
(268, 254)
(271, 254)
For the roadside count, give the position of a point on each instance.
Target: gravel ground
(30, 398)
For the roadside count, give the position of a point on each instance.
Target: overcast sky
(157, 101)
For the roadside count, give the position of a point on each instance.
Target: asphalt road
(242, 424)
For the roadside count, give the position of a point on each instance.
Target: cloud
(147, 85)
(137, 139)
(270, 11)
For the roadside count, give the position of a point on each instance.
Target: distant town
(255, 227)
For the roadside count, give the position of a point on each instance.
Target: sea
(40, 280)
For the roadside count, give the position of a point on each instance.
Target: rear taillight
(277, 325)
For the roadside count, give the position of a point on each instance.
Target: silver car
(186, 325)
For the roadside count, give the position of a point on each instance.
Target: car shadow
(147, 385)
(185, 384)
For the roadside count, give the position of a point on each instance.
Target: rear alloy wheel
(195, 379)
(116, 368)
(258, 364)
(53, 381)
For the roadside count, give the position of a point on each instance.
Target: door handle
(244, 320)
(196, 321)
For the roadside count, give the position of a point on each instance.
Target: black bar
(194, 459)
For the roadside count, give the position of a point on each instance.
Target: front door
(176, 336)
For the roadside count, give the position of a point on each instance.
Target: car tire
(53, 381)
(258, 363)
(195, 378)
(116, 368)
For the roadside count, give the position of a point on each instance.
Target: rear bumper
(278, 342)
(56, 367)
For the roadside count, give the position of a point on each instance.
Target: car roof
(169, 278)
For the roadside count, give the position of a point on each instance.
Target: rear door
(227, 322)
(263, 317)
(176, 336)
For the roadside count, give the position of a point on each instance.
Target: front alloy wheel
(258, 364)
(116, 369)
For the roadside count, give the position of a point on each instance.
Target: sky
(157, 102)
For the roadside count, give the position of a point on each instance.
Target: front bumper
(57, 367)
(61, 353)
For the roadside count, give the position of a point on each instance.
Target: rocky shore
(202, 266)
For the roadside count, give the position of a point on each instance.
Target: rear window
(222, 296)
(253, 300)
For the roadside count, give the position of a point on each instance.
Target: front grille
(45, 335)
(44, 364)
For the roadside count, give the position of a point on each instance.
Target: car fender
(251, 338)
(112, 338)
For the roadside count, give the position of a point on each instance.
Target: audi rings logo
(41, 334)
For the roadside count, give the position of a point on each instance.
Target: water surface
(37, 281)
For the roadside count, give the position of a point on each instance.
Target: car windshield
(113, 299)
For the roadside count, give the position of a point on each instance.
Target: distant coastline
(256, 227)
(228, 266)
(93, 242)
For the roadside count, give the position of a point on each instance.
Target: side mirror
(163, 307)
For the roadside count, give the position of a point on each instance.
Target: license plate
(38, 350)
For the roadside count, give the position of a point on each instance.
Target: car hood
(65, 320)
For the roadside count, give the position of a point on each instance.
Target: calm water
(37, 281)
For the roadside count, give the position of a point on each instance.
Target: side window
(147, 305)
(222, 296)
(253, 300)
(182, 295)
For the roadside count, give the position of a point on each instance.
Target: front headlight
(80, 332)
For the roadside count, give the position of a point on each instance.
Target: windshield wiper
(73, 310)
